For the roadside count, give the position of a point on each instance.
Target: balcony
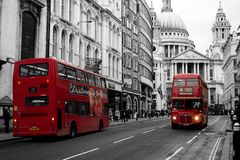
(93, 64)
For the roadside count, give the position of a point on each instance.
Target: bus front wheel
(174, 126)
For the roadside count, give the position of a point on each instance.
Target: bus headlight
(174, 118)
(196, 118)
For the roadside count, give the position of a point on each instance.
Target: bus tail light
(53, 120)
(15, 123)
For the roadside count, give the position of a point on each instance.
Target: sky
(199, 16)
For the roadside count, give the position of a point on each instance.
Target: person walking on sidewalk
(6, 118)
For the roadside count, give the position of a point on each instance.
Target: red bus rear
(189, 101)
(52, 98)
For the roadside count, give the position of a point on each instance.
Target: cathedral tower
(221, 27)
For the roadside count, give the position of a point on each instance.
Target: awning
(5, 101)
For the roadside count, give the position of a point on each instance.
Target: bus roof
(37, 60)
(186, 75)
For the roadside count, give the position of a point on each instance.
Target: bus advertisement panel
(189, 101)
(52, 98)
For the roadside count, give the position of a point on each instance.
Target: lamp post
(48, 27)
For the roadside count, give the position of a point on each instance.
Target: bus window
(178, 104)
(61, 71)
(36, 101)
(103, 83)
(38, 69)
(179, 82)
(91, 79)
(80, 76)
(98, 82)
(72, 107)
(192, 104)
(192, 82)
(71, 73)
(84, 109)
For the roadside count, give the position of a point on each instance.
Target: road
(144, 140)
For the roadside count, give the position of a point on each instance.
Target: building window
(63, 8)
(29, 27)
(54, 52)
(63, 45)
(71, 49)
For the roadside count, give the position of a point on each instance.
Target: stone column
(176, 68)
(198, 68)
(186, 67)
(194, 67)
(182, 67)
(168, 51)
(171, 72)
(205, 71)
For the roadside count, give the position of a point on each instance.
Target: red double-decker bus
(189, 101)
(52, 98)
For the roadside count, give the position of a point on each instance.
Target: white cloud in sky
(199, 16)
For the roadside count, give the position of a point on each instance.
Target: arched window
(71, 39)
(88, 24)
(62, 9)
(117, 68)
(88, 51)
(29, 27)
(80, 52)
(114, 37)
(55, 45)
(113, 67)
(96, 29)
(117, 39)
(81, 17)
(63, 43)
(96, 54)
(109, 65)
(71, 10)
(109, 33)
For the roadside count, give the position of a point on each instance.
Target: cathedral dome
(171, 22)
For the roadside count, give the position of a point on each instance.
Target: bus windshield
(37, 69)
(192, 104)
(178, 104)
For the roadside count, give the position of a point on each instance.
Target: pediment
(190, 55)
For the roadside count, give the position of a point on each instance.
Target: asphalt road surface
(144, 140)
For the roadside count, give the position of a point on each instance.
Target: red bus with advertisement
(53, 98)
(189, 101)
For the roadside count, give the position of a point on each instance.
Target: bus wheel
(100, 128)
(174, 126)
(73, 130)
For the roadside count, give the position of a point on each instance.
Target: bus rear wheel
(100, 128)
(73, 130)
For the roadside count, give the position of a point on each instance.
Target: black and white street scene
(119, 79)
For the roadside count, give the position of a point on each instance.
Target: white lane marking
(163, 126)
(192, 139)
(214, 121)
(123, 139)
(149, 131)
(199, 133)
(81, 154)
(174, 153)
(214, 150)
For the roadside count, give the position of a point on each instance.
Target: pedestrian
(6, 118)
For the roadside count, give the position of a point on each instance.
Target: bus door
(66, 117)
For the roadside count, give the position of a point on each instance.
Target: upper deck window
(179, 82)
(192, 82)
(37, 69)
